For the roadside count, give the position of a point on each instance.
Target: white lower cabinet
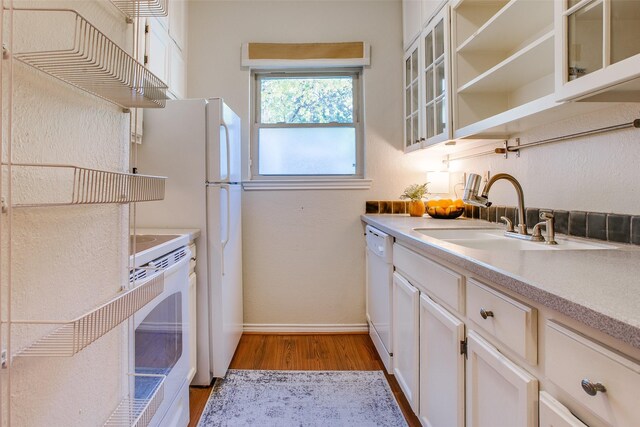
(405, 337)
(499, 393)
(441, 366)
(555, 414)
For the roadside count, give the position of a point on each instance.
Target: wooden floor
(304, 353)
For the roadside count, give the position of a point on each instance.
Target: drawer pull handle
(486, 313)
(592, 388)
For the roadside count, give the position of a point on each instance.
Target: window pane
(439, 40)
(407, 132)
(625, 29)
(429, 84)
(440, 81)
(430, 120)
(428, 50)
(307, 100)
(585, 40)
(441, 116)
(307, 151)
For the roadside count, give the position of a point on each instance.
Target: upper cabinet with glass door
(415, 15)
(413, 133)
(435, 71)
(598, 50)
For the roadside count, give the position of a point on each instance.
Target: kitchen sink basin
(495, 240)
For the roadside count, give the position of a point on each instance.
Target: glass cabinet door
(585, 39)
(600, 46)
(412, 134)
(435, 74)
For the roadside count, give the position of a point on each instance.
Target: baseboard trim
(291, 329)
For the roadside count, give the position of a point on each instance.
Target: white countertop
(600, 288)
(184, 236)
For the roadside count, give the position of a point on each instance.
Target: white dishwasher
(379, 292)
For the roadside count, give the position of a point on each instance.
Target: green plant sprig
(415, 192)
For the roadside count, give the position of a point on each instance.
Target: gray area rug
(302, 398)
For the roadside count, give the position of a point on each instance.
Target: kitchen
(303, 250)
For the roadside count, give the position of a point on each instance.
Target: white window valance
(292, 55)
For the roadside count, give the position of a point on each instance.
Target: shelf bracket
(3, 204)
(3, 359)
(517, 150)
(5, 52)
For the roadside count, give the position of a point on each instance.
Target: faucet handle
(508, 222)
(546, 215)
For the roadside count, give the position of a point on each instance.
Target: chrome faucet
(471, 197)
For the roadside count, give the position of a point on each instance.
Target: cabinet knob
(592, 388)
(486, 313)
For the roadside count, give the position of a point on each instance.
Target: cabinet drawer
(554, 414)
(571, 358)
(508, 320)
(439, 282)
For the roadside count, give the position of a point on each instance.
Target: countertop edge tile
(542, 291)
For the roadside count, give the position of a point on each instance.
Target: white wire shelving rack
(75, 185)
(142, 8)
(73, 336)
(87, 59)
(138, 412)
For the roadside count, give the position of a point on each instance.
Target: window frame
(358, 124)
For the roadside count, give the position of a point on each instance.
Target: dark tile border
(612, 227)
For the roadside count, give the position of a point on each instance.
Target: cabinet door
(428, 9)
(157, 49)
(411, 21)
(412, 118)
(554, 413)
(405, 337)
(441, 366)
(178, 74)
(499, 393)
(597, 48)
(177, 22)
(435, 74)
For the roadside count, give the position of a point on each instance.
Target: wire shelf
(138, 412)
(74, 336)
(142, 8)
(61, 185)
(84, 57)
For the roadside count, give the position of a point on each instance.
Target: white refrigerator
(196, 144)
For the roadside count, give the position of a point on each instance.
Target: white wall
(598, 173)
(65, 260)
(304, 250)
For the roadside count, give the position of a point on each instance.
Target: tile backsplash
(594, 225)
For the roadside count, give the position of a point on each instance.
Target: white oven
(161, 339)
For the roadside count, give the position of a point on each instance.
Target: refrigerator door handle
(228, 144)
(224, 241)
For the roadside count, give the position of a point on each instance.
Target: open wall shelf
(139, 410)
(142, 8)
(75, 335)
(80, 55)
(61, 185)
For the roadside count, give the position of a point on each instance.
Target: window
(307, 124)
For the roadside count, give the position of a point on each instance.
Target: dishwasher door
(379, 292)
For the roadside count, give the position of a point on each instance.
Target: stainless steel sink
(494, 240)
